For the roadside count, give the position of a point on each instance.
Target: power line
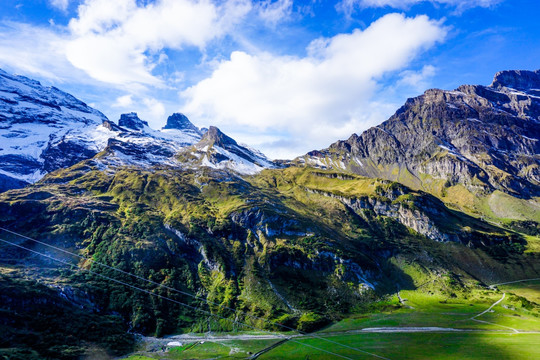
(191, 295)
(189, 306)
(178, 302)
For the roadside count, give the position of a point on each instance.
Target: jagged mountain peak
(180, 121)
(216, 137)
(219, 151)
(486, 138)
(132, 121)
(517, 79)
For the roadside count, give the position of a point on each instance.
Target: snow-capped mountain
(219, 151)
(178, 144)
(43, 129)
(133, 143)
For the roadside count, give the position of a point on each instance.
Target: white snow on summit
(43, 129)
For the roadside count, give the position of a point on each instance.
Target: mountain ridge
(44, 129)
(484, 138)
(294, 245)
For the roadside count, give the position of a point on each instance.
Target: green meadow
(510, 330)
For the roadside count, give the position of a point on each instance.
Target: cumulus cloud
(124, 101)
(34, 50)
(60, 4)
(113, 41)
(154, 109)
(348, 6)
(317, 98)
(148, 108)
(417, 80)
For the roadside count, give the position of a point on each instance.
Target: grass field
(510, 330)
(529, 290)
(419, 346)
(227, 349)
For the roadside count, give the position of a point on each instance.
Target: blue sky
(283, 76)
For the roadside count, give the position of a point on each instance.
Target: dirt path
(389, 329)
(474, 318)
(491, 307)
(265, 350)
(513, 282)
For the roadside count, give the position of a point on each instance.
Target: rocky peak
(132, 121)
(180, 121)
(219, 151)
(517, 79)
(216, 137)
(483, 137)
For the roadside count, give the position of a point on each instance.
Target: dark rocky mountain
(131, 121)
(180, 121)
(485, 138)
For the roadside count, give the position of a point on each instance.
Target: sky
(282, 76)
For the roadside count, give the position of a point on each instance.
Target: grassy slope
(119, 220)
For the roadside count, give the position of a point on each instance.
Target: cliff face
(484, 137)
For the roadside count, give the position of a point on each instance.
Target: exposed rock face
(260, 223)
(180, 121)
(219, 151)
(216, 137)
(517, 79)
(485, 137)
(132, 121)
(419, 219)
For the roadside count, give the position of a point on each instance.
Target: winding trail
(474, 318)
(491, 307)
(404, 329)
(512, 282)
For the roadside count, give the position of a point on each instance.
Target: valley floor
(501, 323)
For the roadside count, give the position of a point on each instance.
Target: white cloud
(348, 6)
(60, 4)
(124, 101)
(34, 50)
(317, 98)
(147, 108)
(113, 40)
(154, 109)
(274, 12)
(418, 80)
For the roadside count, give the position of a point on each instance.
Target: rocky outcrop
(485, 137)
(180, 121)
(386, 204)
(219, 151)
(131, 121)
(261, 222)
(517, 79)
